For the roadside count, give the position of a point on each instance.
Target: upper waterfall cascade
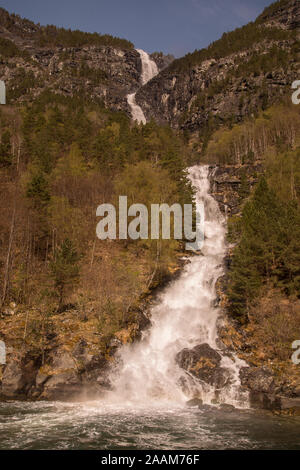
(184, 316)
(149, 70)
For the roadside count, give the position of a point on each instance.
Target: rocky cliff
(244, 71)
(34, 58)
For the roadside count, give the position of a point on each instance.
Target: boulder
(12, 379)
(194, 402)
(203, 362)
(63, 380)
(226, 407)
(257, 379)
(261, 384)
(18, 375)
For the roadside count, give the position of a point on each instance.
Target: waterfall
(184, 316)
(149, 67)
(149, 70)
(136, 111)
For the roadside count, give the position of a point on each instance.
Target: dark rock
(162, 61)
(225, 183)
(62, 385)
(297, 391)
(264, 401)
(19, 375)
(194, 402)
(181, 96)
(288, 403)
(257, 379)
(260, 382)
(204, 363)
(205, 407)
(226, 407)
(214, 401)
(12, 380)
(285, 16)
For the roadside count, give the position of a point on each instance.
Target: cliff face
(282, 14)
(107, 72)
(229, 86)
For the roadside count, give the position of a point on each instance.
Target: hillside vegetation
(52, 36)
(263, 284)
(59, 159)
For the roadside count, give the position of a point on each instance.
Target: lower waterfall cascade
(149, 70)
(184, 316)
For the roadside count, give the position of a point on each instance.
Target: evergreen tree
(65, 269)
(5, 149)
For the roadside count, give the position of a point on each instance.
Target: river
(55, 425)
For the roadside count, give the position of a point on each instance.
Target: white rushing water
(149, 70)
(184, 317)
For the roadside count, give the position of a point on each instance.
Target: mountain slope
(34, 57)
(247, 69)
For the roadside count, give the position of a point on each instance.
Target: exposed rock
(162, 61)
(205, 408)
(19, 375)
(194, 402)
(226, 407)
(204, 363)
(288, 403)
(261, 384)
(12, 379)
(187, 97)
(103, 72)
(257, 379)
(226, 182)
(282, 15)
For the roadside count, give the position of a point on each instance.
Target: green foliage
(73, 154)
(93, 75)
(65, 268)
(268, 251)
(38, 190)
(22, 84)
(51, 35)
(9, 49)
(238, 40)
(277, 127)
(271, 9)
(5, 149)
(244, 189)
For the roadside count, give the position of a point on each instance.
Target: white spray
(184, 317)
(149, 70)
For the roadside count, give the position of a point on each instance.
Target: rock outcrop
(203, 362)
(226, 184)
(266, 390)
(227, 88)
(285, 15)
(102, 72)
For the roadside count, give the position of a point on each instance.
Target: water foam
(185, 316)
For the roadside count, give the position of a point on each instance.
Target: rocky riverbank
(69, 361)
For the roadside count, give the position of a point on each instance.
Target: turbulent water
(149, 70)
(146, 409)
(98, 426)
(184, 317)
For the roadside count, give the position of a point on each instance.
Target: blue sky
(170, 26)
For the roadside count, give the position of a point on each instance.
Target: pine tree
(65, 269)
(5, 149)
